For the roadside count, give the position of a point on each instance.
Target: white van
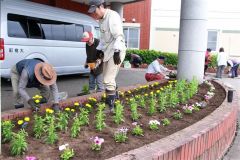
(31, 30)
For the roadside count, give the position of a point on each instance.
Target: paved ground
(72, 84)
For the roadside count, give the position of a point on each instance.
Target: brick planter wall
(207, 139)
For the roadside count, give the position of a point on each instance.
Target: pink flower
(31, 158)
(134, 123)
(98, 141)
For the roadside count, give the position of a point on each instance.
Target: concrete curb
(206, 139)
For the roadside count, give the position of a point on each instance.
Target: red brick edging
(206, 139)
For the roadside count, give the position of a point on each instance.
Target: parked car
(32, 30)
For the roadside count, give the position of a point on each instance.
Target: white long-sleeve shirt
(222, 59)
(111, 35)
(155, 67)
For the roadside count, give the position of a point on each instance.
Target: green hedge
(171, 58)
(150, 55)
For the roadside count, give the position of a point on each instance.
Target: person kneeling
(156, 70)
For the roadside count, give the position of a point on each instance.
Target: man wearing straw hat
(112, 44)
(33, 73)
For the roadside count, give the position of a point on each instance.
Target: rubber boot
(110, 102)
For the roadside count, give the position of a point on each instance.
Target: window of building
(132, 37)
(212, 40)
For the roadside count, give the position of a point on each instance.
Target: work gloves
(33, 105)
(116, 57)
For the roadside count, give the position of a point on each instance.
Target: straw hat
(45, 74)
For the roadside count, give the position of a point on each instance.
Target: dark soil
(110, 148)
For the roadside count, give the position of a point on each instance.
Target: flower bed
(130, 127)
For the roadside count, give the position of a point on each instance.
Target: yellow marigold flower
(72, 110)
(37, 101)
(104, 95)
(20, 122)
(47, 110)
(146, 94)
(152, 85)
(126, 99)
(158, 91)
(175, 81)
(27, 119)
(94, 99)
(161, 89)
(151, 93)
(67, 109)
(37, 96)
(76, 104)
(40, 97)
(117, 101)
(51, 111)
(129, 92)
(88, 105)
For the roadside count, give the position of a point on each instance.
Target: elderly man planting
(112, 44)
(33, 73)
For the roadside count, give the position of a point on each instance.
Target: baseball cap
(86, 36)
(94, 4)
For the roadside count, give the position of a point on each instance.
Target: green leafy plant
(153, 124)
(141, 101)
(85, 89)
(76, 127)
(196, 108)
(177, 115)
(52, 136)
(7, 133)
(118, 117)
(152, 105)
(67, 154)
(100, 117)
(162, 101)
(137, 131)
(84, 116)
(121, 135)
(133, 107)
(165, 122)
(18, 143)
(62, 120)
(38, 126)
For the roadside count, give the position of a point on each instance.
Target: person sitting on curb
(94, 61)
(136, 60)
(156, 70)
(33, 73)
(234, 64)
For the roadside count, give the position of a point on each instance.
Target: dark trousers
(234, 71)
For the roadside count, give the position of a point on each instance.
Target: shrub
(150, 55)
